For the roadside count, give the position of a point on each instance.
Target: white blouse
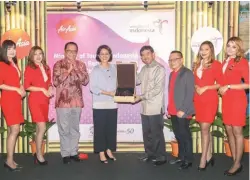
(199, 71)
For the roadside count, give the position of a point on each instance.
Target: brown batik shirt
(69, 85)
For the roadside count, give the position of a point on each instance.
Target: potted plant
(29, 131)
(174, 143)
(246, 135)
(221, 134)
(2, 129)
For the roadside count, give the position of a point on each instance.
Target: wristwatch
(229, 86)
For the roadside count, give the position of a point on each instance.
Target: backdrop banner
(125, 32)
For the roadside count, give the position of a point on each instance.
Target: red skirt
(11, 104)
(39, 109)
(205, 111)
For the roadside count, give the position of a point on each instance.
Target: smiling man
(69, 75)
(152, 80)
(181, 107)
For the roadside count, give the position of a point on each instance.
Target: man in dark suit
(181, 107)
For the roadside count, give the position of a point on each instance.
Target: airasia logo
(67, 29)
(22, 40)
(21, 43)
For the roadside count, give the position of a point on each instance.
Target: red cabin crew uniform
(234, 102)
(38, 102)
(206, 104)
(11, 101)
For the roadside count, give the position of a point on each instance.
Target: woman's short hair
(99, 51)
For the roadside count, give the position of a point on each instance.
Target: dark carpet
(127, 167)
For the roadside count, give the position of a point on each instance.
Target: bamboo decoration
(184, 29)
(236, 18)
(189, 16)
(32, 22)
(231, 21)
(20, 16)
(177, 25)
(37, 21)
(42, 24)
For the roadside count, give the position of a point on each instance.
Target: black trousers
(105, 129)
(153, 137)
(183, 136)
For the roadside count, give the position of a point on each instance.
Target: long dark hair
(2, 57)
(5, 45)
(31, 62)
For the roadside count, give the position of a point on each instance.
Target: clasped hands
(200, 90)
(49, 92)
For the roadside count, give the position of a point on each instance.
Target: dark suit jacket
(184, 91)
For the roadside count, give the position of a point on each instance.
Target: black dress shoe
(158, 163)
(185, 165)
(11, 169)
(66, 160)
(175, 161)
(75, 158)
(227, 173)
(147, 159)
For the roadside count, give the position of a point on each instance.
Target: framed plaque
(126, 83)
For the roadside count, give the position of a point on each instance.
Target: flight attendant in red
(208, 74)
(11, 99)
(234, 99)
(37, 80)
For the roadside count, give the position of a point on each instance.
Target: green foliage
(192, 125)
(29, 129)
(2, 129)
(219, 123)
(246, 128)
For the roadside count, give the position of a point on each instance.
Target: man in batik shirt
(69, 75)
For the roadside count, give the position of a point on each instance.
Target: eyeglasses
(173, 60)
(71, 51)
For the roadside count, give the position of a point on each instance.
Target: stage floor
(127, 167)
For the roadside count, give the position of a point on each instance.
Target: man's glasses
(71, 51)
(173, 60)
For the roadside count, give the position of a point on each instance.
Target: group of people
(190, 92)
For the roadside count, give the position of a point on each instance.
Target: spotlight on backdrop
(8, 5)
(78, 5)
(145, 5)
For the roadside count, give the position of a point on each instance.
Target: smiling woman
(37, 80)
(103, 81)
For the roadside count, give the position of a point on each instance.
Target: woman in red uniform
(234, 99)
(37, 80)
(208, 73)
(11, 99)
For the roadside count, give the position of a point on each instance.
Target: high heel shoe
(10, 168)
(107, 156)
(36, 161)
(227, 173)
(104, 161)
(211, 161)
